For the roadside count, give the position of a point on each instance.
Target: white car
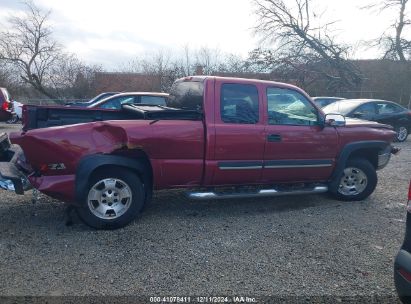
(17, 112)
(115, 102)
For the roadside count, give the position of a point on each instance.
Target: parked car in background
(16, 112)
(114, 102)
(325, 101)
(91, 101)
(382, 111)
(6, 105)
(402, 264)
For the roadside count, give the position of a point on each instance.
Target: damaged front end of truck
(13, 167)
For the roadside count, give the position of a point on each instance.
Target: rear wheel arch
(92, 165)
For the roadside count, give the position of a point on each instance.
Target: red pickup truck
(218, 138)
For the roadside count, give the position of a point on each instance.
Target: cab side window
(153, 100)
(388, 108)
(115, 103)
(239, 104)
(365, 109)
(289, 107)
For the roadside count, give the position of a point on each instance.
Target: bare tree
(307, 48)
(28, 45)
(209, 59)
(71, 78)
(168, 65)
(395, 45)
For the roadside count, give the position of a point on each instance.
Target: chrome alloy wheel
(402, 133)
(109, 198)
(353, 181)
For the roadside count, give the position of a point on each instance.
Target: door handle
(274, 137)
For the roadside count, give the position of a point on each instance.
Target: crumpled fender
(69, 144)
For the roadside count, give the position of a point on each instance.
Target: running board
(260, 193)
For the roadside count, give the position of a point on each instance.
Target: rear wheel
(357, 181)
(402, 133)
(113, 199)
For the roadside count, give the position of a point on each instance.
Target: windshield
(187, 95)
(102, 96)
(341, 107)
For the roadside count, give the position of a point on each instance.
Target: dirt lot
(302, 246)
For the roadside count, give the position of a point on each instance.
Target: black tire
(121, 178)
(402, 133)
(405, 299)
(360, 188)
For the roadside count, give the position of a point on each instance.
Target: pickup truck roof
(240, 80)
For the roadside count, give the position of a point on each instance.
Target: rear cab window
(187, 95)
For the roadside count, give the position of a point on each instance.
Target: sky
(112, 33)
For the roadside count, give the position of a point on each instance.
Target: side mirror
(335, 120)
(358, 115)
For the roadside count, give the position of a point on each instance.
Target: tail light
(409, 193)
(5, 106)
(405, 274)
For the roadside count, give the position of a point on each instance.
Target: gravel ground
(298, 245)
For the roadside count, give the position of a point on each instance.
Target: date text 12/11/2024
(203, 299)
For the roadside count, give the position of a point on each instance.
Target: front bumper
(385, 155)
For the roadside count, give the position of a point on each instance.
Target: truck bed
(35, 117)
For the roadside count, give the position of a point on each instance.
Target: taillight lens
(405, 274)
(409, 199)
(5, 106)
(409, 192)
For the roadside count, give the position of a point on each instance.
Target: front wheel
(357, 181)
(113, 199)
(402, 133)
